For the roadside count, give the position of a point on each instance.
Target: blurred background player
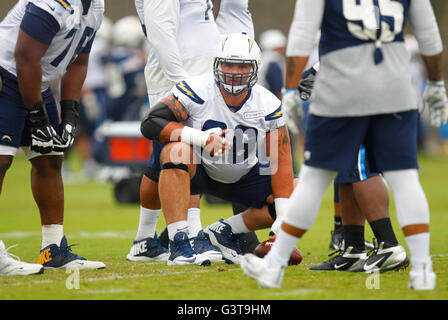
(41, 45)
(199, 157)
(365, 115)
(273, 47)
(182, 36)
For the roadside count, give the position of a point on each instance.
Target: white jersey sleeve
(59, 9)
(426, 30)
(192, 94)
(305, 27)
(161, 20)
(271, 106)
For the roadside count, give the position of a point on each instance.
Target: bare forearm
(434, 67)
(281, 163)
(294, 69)
(72, 82)
(29, 77)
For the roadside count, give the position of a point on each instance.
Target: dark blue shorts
(390, 141)
(252, 190)
(14, 131)
(155, 162)
(361, 169)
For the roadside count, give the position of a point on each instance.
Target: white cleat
(422, 277)
(265, 273)
(10, 265)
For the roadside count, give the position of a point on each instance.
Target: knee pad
(171, 165)
(152, 174)
(410, 200)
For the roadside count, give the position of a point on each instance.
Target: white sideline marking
(118, 290)
(296, 292)
(114, 277)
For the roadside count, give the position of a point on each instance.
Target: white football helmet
(272, 39)
(237, 48)
(105, 30)
(128, 32)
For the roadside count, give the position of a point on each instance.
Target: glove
(435, 99)
(281, 205)
(292, 107)
(42, 133)
(307, 83)
(1, 80)
(69, 115)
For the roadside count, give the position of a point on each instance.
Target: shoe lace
(339, 251)
(9, 255)
(69, 250)
(375, 248)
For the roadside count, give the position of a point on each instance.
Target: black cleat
(384, 258)
(346, 260)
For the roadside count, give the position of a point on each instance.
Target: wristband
(193, 136)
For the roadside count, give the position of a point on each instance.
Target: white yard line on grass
(112, 277)
(295, 292)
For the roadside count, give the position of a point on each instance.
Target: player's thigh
(251, 191)
(13, 115)
(360, 169)
(53, 117)
(392, 141)
(333, 143)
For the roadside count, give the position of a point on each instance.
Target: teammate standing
(44, 41)
(374, 103)
(181, 37)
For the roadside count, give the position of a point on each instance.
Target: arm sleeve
(304, 27)
(426, 30)
(162, 23)
(39, 24)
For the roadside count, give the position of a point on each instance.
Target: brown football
(263, 248)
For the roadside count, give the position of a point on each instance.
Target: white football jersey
(73, 25)
(260, 113)
(234, 16)
(182, 37)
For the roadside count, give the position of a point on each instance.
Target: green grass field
(104, 231)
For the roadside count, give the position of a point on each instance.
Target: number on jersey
(378, 22)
